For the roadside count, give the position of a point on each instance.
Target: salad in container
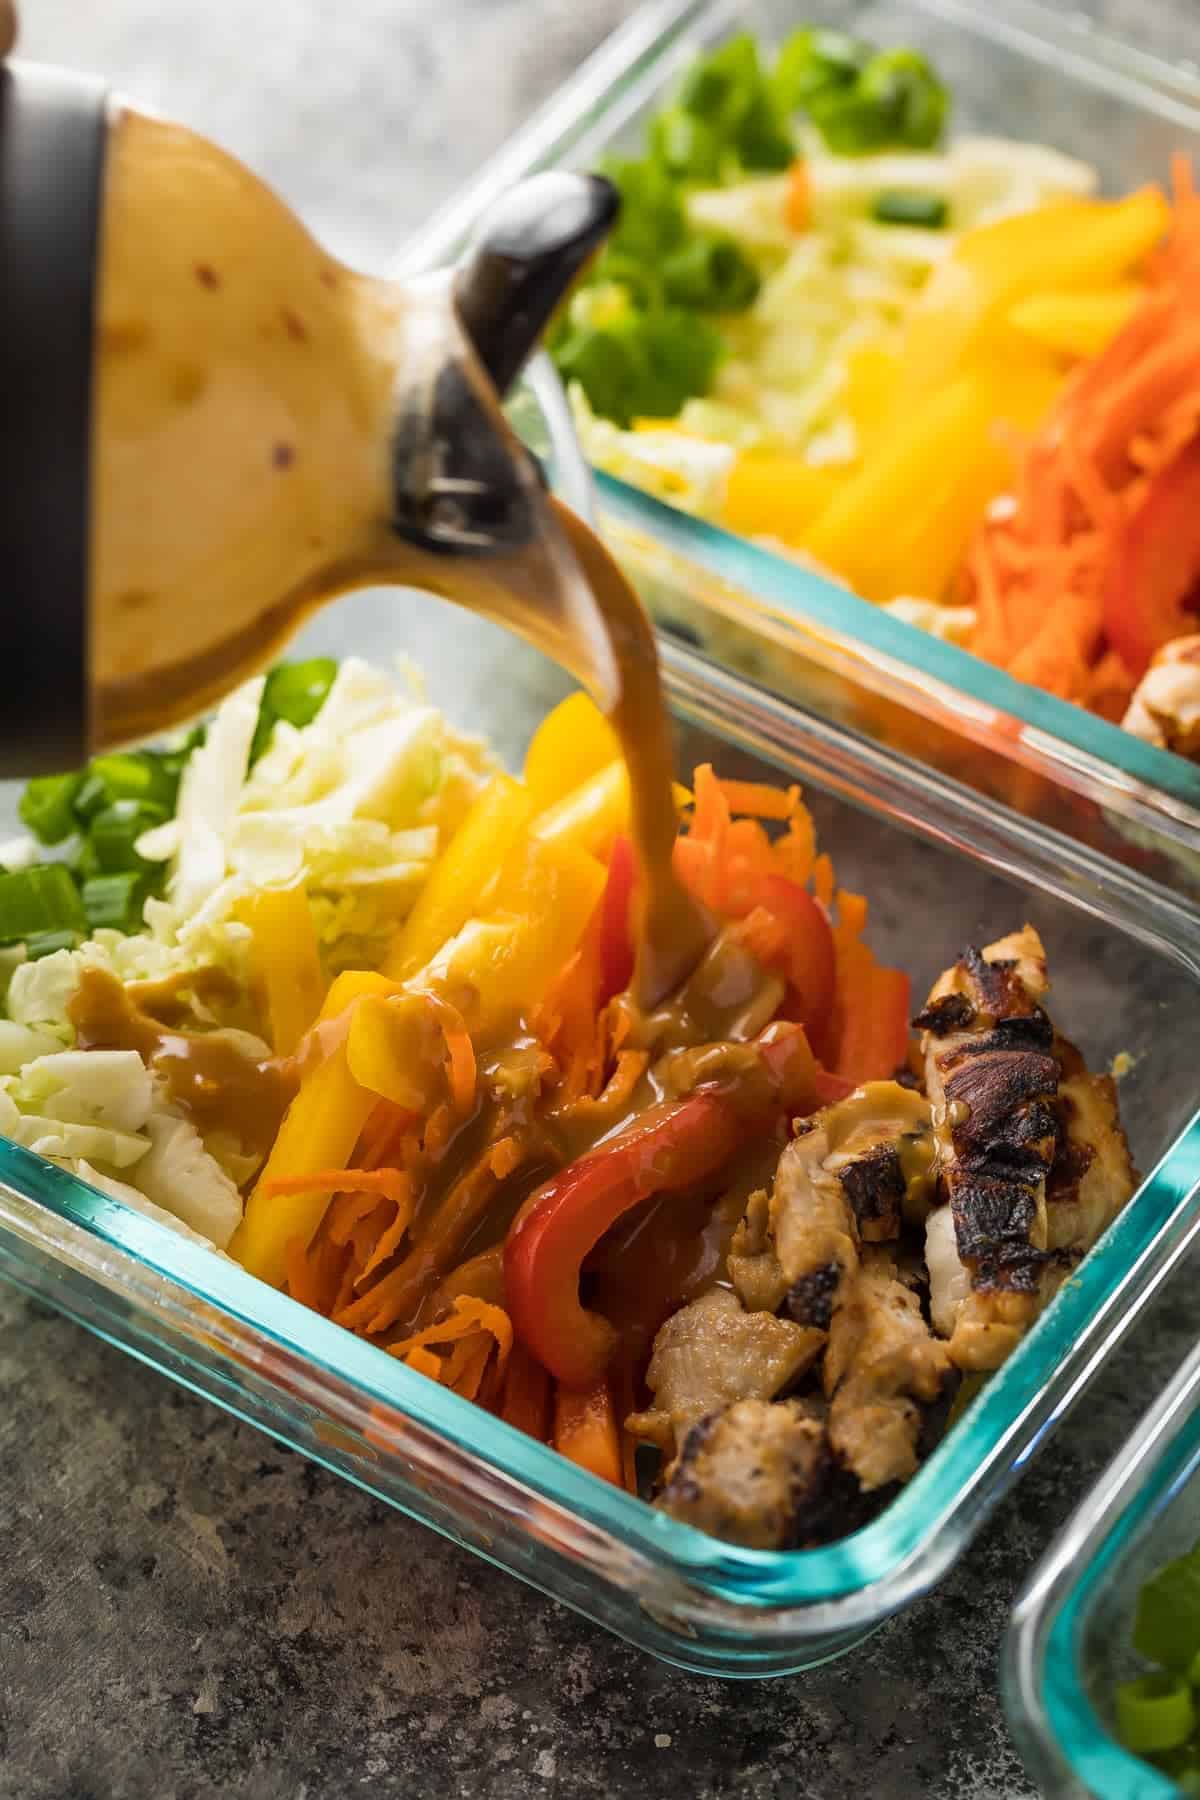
(941, 369)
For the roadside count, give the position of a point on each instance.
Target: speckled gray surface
(186, 1611)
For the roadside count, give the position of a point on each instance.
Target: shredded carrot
(758, 799)
(391, 1183)
(470, 1319)
(823, 884)
(346, 1212)
(424, 1362)
(505, 1157)
(460, 1055)
(390, 1239)
(436, 1135)
(314, 1272)
(1038, 573)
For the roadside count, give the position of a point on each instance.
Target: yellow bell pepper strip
(856, 534)
(1066, 244)
(571, 744)
(872, 376)
(319, 1131)
(1077, 324)
(288, 961)
(497, 970)
(773, 493)
(462, 875)
(591, 815)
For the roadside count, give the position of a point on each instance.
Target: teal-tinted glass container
(942, 866)
(1069, 1643)
(1024, 70)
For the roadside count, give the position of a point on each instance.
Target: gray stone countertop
(188, 1611)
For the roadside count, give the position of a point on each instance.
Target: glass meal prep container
(1069, 1642)
(1021, 70)
(942, 866)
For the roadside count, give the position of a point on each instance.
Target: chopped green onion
(295, 692)
(116, 902)
(45, 943)
(637, 282)
(909, 206)
(723, 85)
(652, 218)
(686, 145)
(42, 898)
(47, 807)
(850, 124)
(643, 366)
(710, 273)
(1154, 1713)
(763, 140)
(909, 96)
(814, 60)
(1166, 1628)
(115, 831)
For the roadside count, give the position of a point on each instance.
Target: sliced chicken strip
(712, 1353)
(992, 1078)
(884, 1374)
(848, 1177)
(1093, 1174)
(753, 1474)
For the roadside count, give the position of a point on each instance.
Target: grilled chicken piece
(1165, 708)
(992, 1078)
(712, 1353)
(752, 1474)
(1093, 1174)
(884, 1373)
(845, 1180)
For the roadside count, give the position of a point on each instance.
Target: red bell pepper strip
(811, 963)
(616, 929)
(1152, 593)
(673, 1147)
(587, 1431)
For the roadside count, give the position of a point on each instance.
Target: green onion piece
(763, 140)
(46, 807)
(609, 363)
(645, 365)
(711, 273)
(45, 943)
(116, 902)
(850, 124)
(115, 831)
(651, 218)
(683, 352)
(813, 60)
(636, 281)
(686, 145)
(909, 206)
(909, 96)
(723, 86)
(295, 692)
(43, 898)
(1166, 1627)
(1155, 1712)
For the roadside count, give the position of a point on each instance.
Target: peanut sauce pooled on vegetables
(209, 1074)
